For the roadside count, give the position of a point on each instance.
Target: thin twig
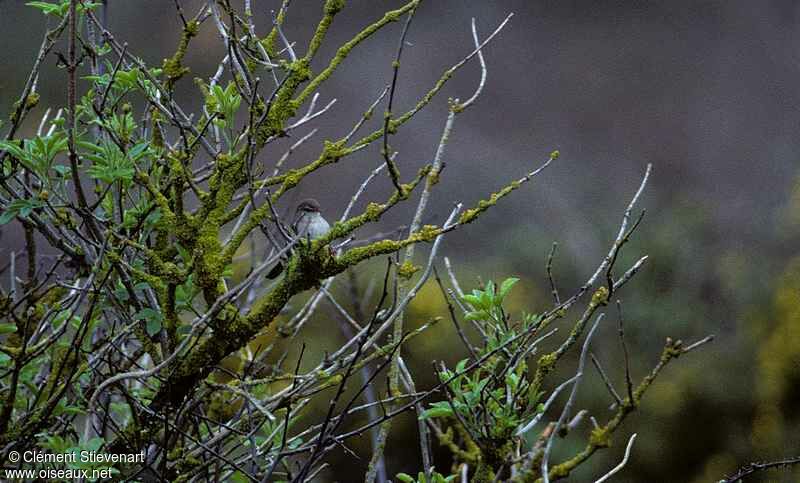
(628, 380)
(553, 287)
(622, 463)
(568, 405)
(394, 174)
(606, 380)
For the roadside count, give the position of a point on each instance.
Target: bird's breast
(313, 226)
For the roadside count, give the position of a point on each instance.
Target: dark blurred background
(707, 91)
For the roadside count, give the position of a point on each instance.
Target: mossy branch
(347, 47)
(173, 67)
(305, 269)
(601, 436)
(331, 8)
(547, 362)
(471, 214)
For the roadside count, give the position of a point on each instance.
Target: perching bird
(308, 223)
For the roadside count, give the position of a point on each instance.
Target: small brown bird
(308, 223)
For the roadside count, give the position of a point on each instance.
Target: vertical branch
(628, 381)
(12, 276)
(370, 396)
(387, 118)
(416, 222)
(30, 252)
(553, 286)
(72, 67)
(376, 461)
(568, 405)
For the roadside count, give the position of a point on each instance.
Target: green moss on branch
(173, 67)
(347, 47)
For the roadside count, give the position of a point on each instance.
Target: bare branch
(622, 464)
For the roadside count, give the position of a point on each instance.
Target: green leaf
(139, 150)
(121, 292)
(477, 315)
(238, 477)
(61, 9)
(37, 154)
(471, 299)
(56, 444)
(404, 478)
(73, 410)
(62, 170)
(225, 102)
(127, 79)
(49, 8)
(435, 413)
(7, 328)
(153, 327)
(22, 208)
(101, 80)
(12, 148)
(152, 318)
(93, 444)
(4, 358)
(487, 300)
(506, 287)
(7, 216)
(512, 380)
(437, 410)
(110, 164)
